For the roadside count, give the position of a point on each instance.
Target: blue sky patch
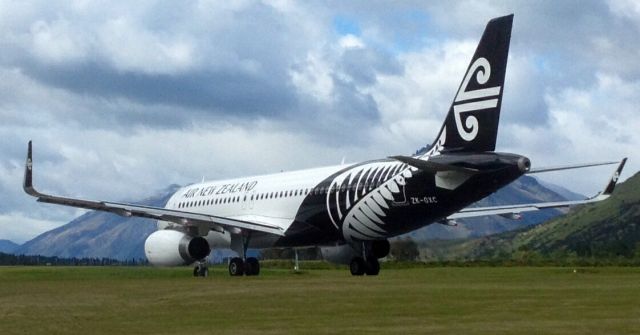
(346, 25)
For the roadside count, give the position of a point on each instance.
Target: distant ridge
(99, 234)
(7, 246)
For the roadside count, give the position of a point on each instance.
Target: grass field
(480, 300)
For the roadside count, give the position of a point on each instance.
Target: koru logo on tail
(483, 68)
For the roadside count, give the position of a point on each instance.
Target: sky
(122, 99)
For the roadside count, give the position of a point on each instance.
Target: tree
(405, 249)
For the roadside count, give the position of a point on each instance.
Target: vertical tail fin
(472, 122)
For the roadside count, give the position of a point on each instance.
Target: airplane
(349, 210)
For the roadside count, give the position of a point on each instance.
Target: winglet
(28, 174)
(614, 179)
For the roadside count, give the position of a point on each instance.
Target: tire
(204, 272)
(373, 267)
(357, 266)
(252, 266)
(196, 271)
(236, 267)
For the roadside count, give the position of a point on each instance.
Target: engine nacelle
(342, 254)
(171, 248)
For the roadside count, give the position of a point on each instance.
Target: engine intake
(172, 248)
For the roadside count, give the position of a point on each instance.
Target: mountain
(7, 246)
(607, 229)
(524, 190)
(99, 234)
(567, 194)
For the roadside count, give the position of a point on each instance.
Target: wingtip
(28, 172)
(614, 178)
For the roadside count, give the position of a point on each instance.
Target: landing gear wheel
(252, 267)
(373, 267)
(357, 266)
(236, 266)
(201, 270)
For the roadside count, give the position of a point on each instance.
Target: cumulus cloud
(122, 99)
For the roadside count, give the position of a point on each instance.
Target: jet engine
(340, 254)
(343, 254)
(171, 248)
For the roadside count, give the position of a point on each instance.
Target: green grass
(476, 300)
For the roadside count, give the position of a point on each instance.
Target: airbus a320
(349, 210)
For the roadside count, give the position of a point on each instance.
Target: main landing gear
(368, 263)
(359, 266)
(248, 267)
(238, 266)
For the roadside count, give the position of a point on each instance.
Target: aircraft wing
(188, 219)
(515, 210)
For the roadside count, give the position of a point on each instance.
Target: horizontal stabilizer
(568, 167)
(515, 210)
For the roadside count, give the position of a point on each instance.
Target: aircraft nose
(524, 164)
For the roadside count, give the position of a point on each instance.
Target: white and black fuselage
(368, 201)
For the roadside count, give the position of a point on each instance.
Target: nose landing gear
(201, 269)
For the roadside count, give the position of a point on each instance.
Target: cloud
(122, 99)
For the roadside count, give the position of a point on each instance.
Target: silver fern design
(359, 199)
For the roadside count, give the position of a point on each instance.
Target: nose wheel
(201, 269)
